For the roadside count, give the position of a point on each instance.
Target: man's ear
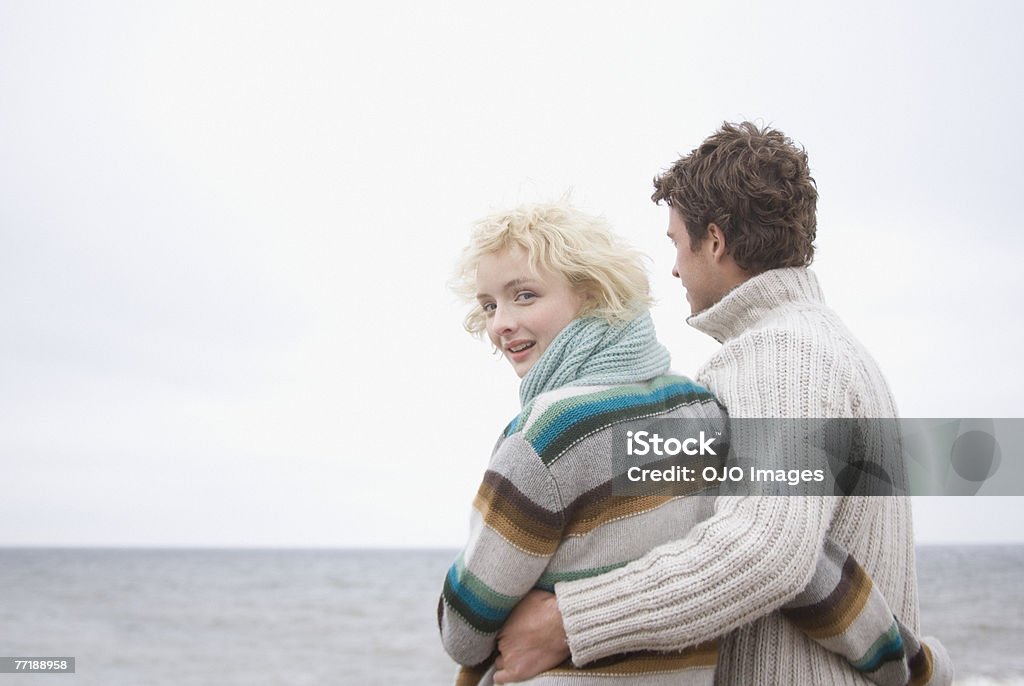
(716, 242)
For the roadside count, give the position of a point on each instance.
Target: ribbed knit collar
(752, 301)
(591, 352)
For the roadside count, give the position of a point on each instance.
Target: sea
(295, 617)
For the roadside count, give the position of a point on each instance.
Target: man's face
(695, 269)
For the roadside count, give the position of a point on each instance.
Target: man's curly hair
(755, 184)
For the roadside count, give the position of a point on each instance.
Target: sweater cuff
(588, 607)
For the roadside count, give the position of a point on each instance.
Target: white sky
(226, 229)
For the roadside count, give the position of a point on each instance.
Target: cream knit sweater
(784, 354)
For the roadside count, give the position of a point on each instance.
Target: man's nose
(675, 271)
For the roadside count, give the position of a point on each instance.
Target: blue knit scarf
(591, 352)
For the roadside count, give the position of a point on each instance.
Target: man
(742, 219)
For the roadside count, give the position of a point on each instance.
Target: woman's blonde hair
(557, 237)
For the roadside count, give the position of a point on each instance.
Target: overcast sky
(226, 231)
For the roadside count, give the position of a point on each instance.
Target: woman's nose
(503, 322)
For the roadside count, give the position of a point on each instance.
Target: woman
(566, 304)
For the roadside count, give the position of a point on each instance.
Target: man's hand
(533, 639)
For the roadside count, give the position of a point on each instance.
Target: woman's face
(525, 309)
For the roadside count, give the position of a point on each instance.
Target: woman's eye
(525, 296)
(488, 307)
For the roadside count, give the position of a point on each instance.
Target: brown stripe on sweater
(834, 614)
(502, 487)
(921, 666)
(518, 520)
(471, 676)
(596, 514)
(645, 662)
(598, 493)
(598, 506)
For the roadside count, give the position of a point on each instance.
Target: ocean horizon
(198, 615)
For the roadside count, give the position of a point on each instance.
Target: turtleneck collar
(754, 299)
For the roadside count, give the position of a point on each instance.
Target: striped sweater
(845, 613)
(545, 514)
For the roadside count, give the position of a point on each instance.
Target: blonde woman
(566, 303)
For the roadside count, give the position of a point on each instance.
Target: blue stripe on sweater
(476, 605)
(889, 646)
(576, 413)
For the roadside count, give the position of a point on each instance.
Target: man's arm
(870, 638)
(744, 562)
(751, 557)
